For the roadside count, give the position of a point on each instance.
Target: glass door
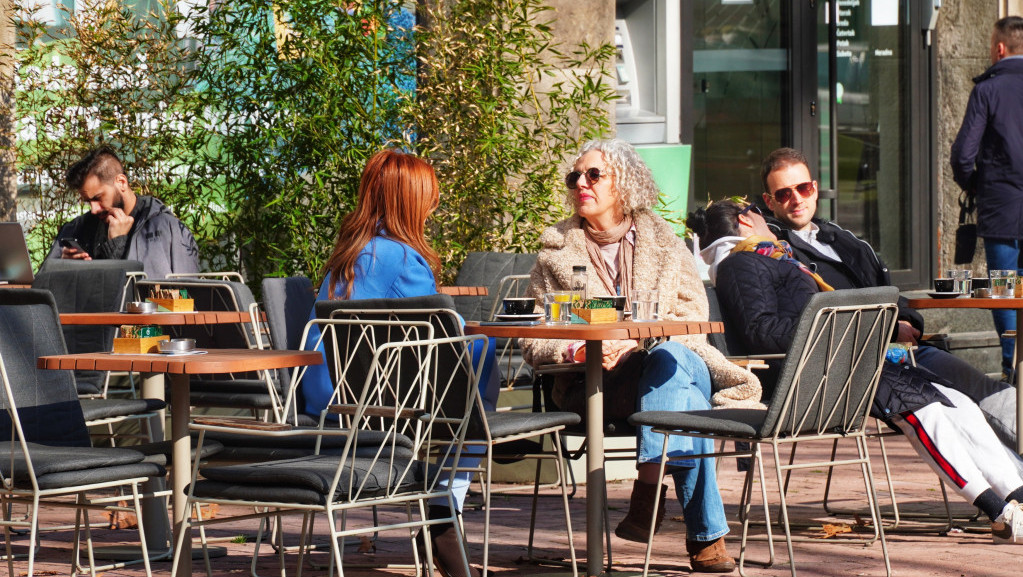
(740, 63)
(863, 88)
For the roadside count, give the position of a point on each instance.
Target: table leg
(153, 388)
(594, 460)
(1016, 378)
(182, 466)
(154, 511)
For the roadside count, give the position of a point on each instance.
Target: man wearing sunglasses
(845, 261)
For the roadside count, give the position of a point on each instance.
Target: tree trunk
(8, 173)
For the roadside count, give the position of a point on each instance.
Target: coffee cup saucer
(525, 317)
(944, 295)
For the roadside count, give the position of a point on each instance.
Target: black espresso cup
(518, 306)
(944, 285)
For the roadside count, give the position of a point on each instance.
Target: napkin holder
(596, 316)
(138, 345)
(174, 305)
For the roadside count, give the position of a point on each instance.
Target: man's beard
(118, 203)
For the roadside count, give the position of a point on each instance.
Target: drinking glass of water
(644, 305)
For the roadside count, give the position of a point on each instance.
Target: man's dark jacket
(762, 300)
(860, 267)
(987, 155)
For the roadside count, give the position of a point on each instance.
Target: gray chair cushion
(241, 447)
(58, 467)
(487, 269)
(160, 451)
(507, 423)
(729, 422)
(94, 409)
(304, 480)
(47, 400)
(87, 287)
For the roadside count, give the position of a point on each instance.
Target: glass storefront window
(868, 124)
(740, 62)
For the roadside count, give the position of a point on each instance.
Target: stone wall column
(963, 43)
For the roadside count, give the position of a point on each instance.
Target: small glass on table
(557, 307)
(1003, 283)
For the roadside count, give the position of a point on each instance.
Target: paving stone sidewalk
(965, 551)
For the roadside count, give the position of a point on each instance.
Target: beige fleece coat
(662, 261)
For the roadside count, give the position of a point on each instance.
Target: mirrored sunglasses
(783, 195)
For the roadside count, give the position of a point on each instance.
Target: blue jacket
(987, 155)
(384, 269)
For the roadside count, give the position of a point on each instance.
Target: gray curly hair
(632, 178)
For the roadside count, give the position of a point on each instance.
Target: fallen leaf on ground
(830, 530)
(366, 545)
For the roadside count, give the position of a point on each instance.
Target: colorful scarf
(778, 250)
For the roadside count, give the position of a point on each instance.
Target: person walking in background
(845, 261)
(121, 224)
(987, 160)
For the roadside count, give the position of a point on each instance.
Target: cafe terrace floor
(965, 551)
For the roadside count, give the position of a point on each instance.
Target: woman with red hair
(382, 252)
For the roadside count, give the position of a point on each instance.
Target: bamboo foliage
(253, 119)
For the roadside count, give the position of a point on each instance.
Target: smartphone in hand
(71, 243)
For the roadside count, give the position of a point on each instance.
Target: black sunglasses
(572, 178)
(782, 195)
(751, 207)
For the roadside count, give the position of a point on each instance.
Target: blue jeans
(490, 388)
(1004, 254)
(675, 378)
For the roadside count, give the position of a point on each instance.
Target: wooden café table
(593, 335)
(990, 304)
(178, 368)
(153, 384)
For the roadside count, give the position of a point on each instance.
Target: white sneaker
(1007, 529)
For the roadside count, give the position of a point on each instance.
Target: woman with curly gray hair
(626, 247)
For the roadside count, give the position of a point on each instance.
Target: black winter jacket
(762, 299)
(861, 267)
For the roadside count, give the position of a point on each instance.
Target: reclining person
(763, 289)
(845, 261)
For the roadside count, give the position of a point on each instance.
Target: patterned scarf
(778, 250)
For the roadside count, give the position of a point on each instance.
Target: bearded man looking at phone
(121, 224)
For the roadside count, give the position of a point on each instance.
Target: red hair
(397, 193)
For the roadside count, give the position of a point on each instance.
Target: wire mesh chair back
(828, 380)
(228, 275)
(454, 360)
(398, 403)
(511, 286)
(210, 295)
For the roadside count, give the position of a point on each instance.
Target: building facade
(872, 91)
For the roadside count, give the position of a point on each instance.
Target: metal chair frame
(825, 393)
(400, 395)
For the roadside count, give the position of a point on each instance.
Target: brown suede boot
(709, 556)
(636, 524)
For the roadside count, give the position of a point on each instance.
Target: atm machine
(648, 70)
